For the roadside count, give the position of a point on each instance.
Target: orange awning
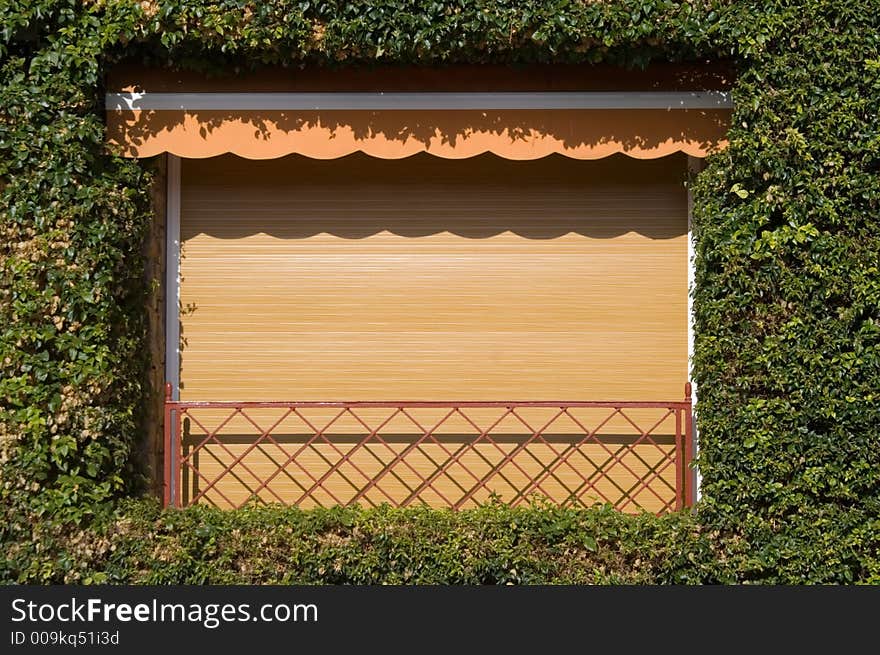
(512, 134)
(529, 114)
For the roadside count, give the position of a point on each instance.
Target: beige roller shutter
(432, 279)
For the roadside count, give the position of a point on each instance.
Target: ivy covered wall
(786, 219)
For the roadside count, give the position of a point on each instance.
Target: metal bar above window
(418, 101)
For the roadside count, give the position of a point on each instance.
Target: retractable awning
(204, 120)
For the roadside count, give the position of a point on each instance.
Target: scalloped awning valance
(261, 121)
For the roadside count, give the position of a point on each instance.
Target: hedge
(787, 299)
(494, 544)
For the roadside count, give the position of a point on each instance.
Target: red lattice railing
(633, 455)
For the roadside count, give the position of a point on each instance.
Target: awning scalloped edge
(511, 134)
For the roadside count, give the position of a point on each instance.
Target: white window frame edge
(172, 275)
(694, 166)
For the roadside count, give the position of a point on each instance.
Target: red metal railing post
(166, 473)
(689, 446)
(680, 468)
(177, 496)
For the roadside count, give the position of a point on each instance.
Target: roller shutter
(431, 279)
